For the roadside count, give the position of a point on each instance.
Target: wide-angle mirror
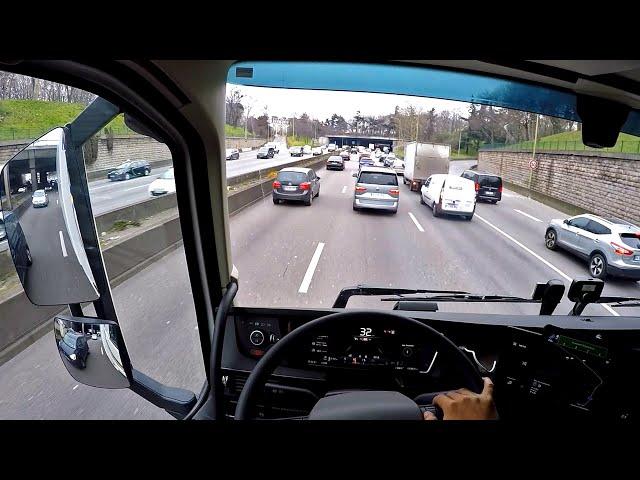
(90, 351)
(41, 224)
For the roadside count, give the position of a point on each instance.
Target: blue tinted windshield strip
(407, 80)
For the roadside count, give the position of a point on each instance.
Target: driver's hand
(463, 404)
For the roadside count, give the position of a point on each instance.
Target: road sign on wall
(533, 164)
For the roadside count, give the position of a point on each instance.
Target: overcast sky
(321, 104)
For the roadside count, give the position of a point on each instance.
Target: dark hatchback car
(297, 184)
(335, 162)
(488, 185)
(138, 168)
(75, 348)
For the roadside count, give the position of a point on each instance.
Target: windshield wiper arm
(463, 297)
(370, 290)
(548, 295)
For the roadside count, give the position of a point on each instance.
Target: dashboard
(539, 371)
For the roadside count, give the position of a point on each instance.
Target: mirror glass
(90, 352)
(41, 226)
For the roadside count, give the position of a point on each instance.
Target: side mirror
(354, 175)
(89, 350)
(41, 225)
(317, 177)
(566, 221)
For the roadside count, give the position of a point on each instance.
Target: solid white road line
(548, 264)
(416, 222)
(306, 281)
(527, 215)
(64, 250)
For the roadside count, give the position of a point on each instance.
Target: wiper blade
(619, 302)
(462, 297)
(370, 290)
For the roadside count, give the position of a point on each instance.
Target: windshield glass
(524, 142)
(38, 193)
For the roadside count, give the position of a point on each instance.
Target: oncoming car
(127, 170)
(166, 183)
(232, 154)
(609, 245)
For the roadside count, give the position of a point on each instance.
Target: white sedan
(164, 184)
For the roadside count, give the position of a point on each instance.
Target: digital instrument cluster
(365, 347)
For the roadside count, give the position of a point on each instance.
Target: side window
(141, 241)
(597, 228)
(426, 184)
(580, 222)
(145, 259)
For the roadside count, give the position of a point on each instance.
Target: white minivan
(449, 194)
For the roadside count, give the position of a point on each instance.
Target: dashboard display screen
(368, 347)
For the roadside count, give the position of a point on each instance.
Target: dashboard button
(256, 337)
(407, 351)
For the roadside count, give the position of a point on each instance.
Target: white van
(449, 194)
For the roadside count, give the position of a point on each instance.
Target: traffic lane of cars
(111, 195)
(366, 247)
(249, 163)
(35, 384)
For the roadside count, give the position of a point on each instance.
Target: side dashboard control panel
(256, 335)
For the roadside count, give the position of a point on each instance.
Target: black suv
(136, 168)
(488, 185)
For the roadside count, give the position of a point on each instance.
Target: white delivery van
(449, 194)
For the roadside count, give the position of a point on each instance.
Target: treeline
(480, 125)
(20, 87)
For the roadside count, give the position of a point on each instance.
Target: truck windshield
(376, 222)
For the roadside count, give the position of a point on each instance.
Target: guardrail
(23, 323)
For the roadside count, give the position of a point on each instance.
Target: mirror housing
(566, 221)
(354, 175)
(42, 226)
(90, 350)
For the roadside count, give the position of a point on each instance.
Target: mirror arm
(178, 402)
(91, 120)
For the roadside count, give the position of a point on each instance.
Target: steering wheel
(359, 404)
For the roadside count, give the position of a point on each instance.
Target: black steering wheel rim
(268, 363)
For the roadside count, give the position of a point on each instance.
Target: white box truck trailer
(421, 160)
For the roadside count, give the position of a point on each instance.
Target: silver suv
(611, 246)
(376, 188)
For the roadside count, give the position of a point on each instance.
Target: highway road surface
(294, 255)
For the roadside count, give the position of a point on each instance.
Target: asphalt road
(294, 255)
(107, 195)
